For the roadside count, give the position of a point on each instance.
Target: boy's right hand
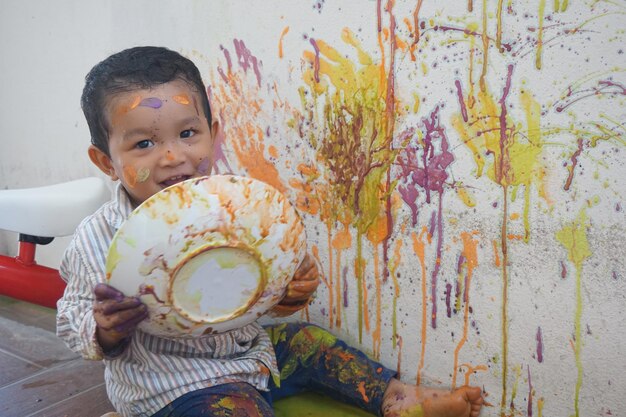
(116, 315)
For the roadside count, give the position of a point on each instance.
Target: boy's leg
(312, 359)
(233, 400)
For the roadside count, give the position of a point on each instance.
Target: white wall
(574, 77)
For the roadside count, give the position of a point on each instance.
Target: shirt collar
(122, 207)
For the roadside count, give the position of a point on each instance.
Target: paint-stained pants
(309, 359)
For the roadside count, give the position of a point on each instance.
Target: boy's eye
(143, 144)
(187, 133)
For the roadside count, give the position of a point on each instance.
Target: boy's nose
(172, 155)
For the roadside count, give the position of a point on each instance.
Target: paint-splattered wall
(459, 166)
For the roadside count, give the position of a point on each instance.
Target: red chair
(39, 215)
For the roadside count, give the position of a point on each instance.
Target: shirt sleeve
(76, 325)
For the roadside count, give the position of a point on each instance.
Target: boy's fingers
(309, 275)
(131, 323)
(306, 264)
(303, 286)
(111, 307)
(121, 318)
(106, 292)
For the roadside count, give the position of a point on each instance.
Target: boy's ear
(214, 128)
(102, 161)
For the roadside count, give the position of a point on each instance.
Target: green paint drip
(573, 237)
(518, 373)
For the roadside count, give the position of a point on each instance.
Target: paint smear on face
(143, 174)
(181, 99)
(130, 176)
(204, 166)
(152, 102)
(124, 108)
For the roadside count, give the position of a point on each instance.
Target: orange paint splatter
(130, 176)
(496, 253)
(280, 41)
(376, 336)
(361, 389)
(135, 102)
(181, 99)
(471, 261)
(244, 132)
(419, 248)
(328, 282)
(472, 370)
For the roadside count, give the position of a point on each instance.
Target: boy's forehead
(154, 97)
(174, 90)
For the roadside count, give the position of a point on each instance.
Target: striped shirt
(151, 371)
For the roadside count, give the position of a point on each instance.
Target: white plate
(207, 255)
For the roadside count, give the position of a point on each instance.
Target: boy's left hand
(304, 283)
(300, 289)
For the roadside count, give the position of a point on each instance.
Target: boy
(151, 127)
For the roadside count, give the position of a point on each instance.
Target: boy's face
(157, 138)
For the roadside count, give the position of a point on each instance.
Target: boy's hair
(136, 68)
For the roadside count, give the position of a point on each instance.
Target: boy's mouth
(174, 180)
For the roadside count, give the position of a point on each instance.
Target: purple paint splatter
(344, 273)
(153, 102)
(459, 93)
(448, 296)
(539, 338)
(204, 165)
(428, 171)
(247, 60)
(529, 410)
(316, 64)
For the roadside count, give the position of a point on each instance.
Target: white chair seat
(53, 210)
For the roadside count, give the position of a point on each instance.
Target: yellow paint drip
(542, 8)
(466, 197)
(353, 121)
(573, 237)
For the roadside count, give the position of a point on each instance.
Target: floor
(39, 375)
